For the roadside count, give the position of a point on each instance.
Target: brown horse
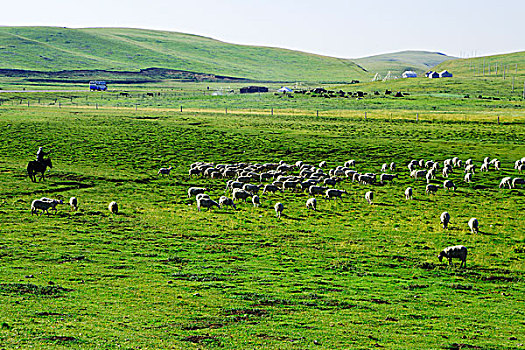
(34, 167)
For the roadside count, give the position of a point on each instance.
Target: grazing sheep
(384, 168)
(468, 178)
(279, 207)
(206, 202)
(193, 191)
(387, 177)
(431, 189)
(367, 179)
(113, 207)
(350, 163)
(473, 224)
(44, 204)
(322, 164)
(506, 181)
(369, 196)
(471, 168)
(334, 193)
(445, 219)
(517, 181)
(290, 184)
(445, 172)
(429, 176)
(201, 195)
(313, 190)
(311, 203)
(270, 188)
(517, 164)
(521, 168)
(416, 174)
(223, 201)
(194, 171)
(448, 184)
(408, 193)
(393, 166)
(165, 171)
(73, 202)
(497, 165)
(241, 194)
(256, 201)
(251, 188)
(455, 252)
(484, 167)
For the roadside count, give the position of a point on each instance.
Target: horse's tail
(31, 171)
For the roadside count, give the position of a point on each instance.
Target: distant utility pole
(513, 83)
(483, 66)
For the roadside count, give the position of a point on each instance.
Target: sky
(347, 29)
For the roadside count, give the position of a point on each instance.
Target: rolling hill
(512, 64)
(398, 62)
(115, 49)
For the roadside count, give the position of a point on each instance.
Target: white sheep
(497, 165)
(431, 189)
(113, 207)
(454, 252)
(505, 182)
(484, 167)
(279, 207)
(311, 203)
(193, 191)
(206, 202)
(270, 188)
(521, 168)
(384, 168)
(44, 204)
(256, 201)
(201, 195)
(448, 184)
(387, 177)
(445, 219)
(334, 193)
(241, 194)
(468, 178)
(408, 193)
(473, 224)
(313, 190)
(517, 181)
(73, 202)
(223, 201)
(393, 166)
(369, 196)
(165, 171)
(322, 164)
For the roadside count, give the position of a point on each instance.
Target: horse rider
(40, 154)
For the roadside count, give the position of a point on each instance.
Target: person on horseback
(40, 154)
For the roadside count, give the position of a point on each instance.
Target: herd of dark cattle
(321, 92)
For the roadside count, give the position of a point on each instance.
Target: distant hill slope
(398, 62)
(513, 64)
(57, 49)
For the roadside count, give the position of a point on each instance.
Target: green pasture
(160, 275)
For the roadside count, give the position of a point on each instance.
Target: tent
(409, 74)
(445, 74)
(433, 75)
(285, 89)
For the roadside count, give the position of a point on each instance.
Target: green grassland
(114, 49)
(161, 275)
(505, 65)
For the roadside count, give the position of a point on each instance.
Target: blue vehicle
(97, 86)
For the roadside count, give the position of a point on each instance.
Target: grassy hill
(513, 64)
(113, 49)
(398, 62)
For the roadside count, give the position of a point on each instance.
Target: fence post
(365, 115)
(225, 110)
(318, 113)
(498, 119)
(96, 106)
(417, 117)
(181, 109)
(272, 111)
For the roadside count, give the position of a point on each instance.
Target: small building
(409, 74)
(445, 74)
(432, 75)
(253, 89)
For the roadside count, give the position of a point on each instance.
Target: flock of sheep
(247, 179)
(44, 204)
(316, 181)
